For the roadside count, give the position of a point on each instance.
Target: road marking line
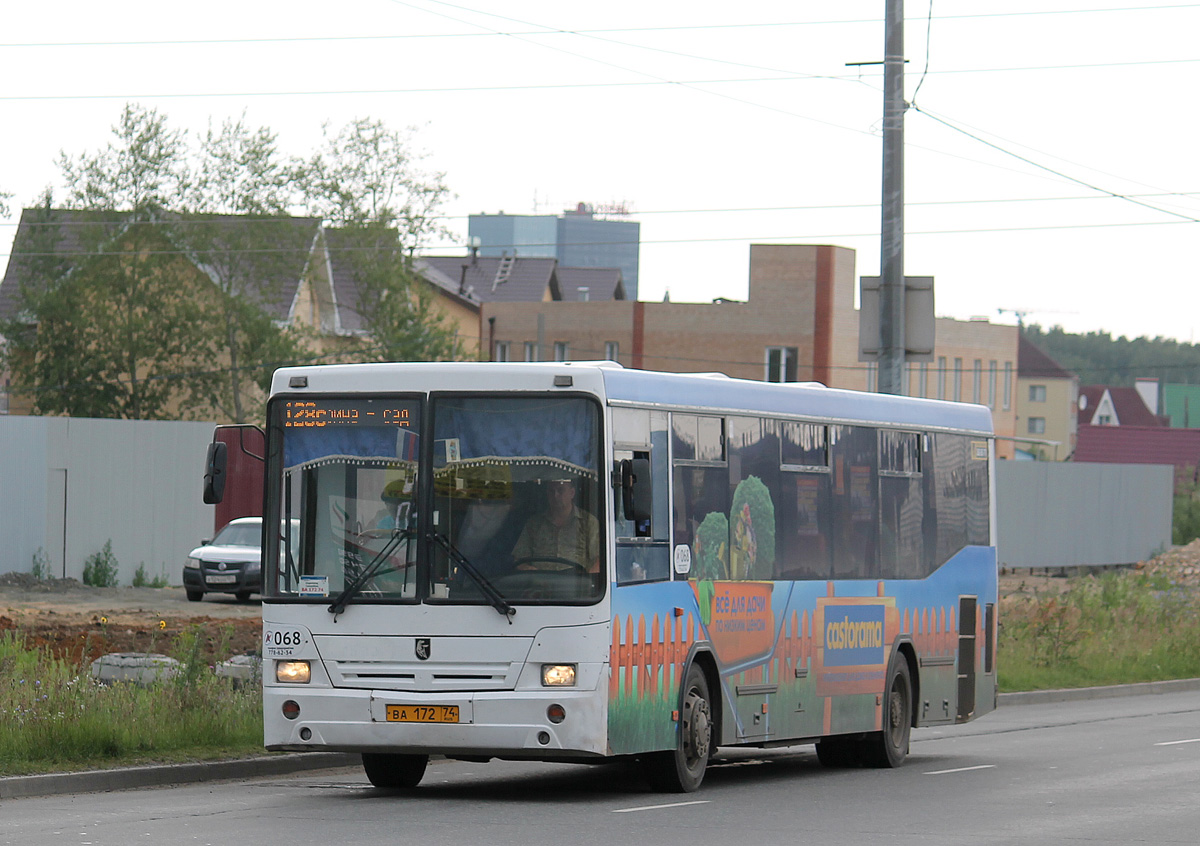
(657, 807)
(1177, 742)
(962, 769)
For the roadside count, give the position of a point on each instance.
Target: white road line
(657, 807)
(962, 769)
(1177, 742)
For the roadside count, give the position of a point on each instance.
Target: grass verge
(55, 718)
(1117, 628)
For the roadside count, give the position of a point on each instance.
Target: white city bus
(733, 563)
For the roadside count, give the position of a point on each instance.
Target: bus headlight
(292, 672)
(558, 675)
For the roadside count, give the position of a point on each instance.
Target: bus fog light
(543, 738)
(558, 675)
(306, 733)
(291, 709)
(292, 672)
(556, 714)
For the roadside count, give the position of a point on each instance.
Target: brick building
(799, 323)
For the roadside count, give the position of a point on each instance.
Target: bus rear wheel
(682, 769)
(889, 747)
(394, 772)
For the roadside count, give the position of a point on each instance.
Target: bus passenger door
(966, 657)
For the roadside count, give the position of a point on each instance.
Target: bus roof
(800, 399)
(700, 392)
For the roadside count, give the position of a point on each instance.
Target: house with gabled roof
(1105, 405)
(309, 279)
(1047, 405)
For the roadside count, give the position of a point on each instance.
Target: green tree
(111, 326)
(237, 229)
(1100, 359)
(367, 183)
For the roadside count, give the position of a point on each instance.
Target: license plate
(422, 713)
(224, 579)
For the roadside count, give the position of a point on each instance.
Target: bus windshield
(498, 502)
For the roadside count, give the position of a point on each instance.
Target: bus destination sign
(310, 413)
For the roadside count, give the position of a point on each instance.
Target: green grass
(1117, 628)
(55, 718)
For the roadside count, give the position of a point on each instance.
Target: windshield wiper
(489, 590)
(339, 603)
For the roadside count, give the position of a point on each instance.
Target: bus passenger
(561, 535)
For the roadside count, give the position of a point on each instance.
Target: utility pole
(891, 258)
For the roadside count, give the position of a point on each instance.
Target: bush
(100, 569)
(1185, 522)
(41, 565)
(142, 579)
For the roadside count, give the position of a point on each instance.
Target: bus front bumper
(493, 724)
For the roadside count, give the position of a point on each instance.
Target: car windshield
(498, 503)
(239, 534)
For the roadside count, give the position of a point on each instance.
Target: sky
(1052, 172)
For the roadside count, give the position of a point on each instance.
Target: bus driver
(561, 534)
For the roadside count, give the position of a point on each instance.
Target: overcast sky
(1052, 164)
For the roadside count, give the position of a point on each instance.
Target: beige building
(799, 323)
(1047, 406)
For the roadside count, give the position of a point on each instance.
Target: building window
(531, 351)
(501, 352)
(562, 351)
(941, 374)
(1007, 385)
(611, 351)
(781, 364)
(1037, 393)
(958, 380)
(1104, 420)
(991, 384)
(977, 385)
(1037, 425)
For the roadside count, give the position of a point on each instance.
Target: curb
(1082, 694)
(126, 778)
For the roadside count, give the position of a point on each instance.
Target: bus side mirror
(635, 489)
(214, 473)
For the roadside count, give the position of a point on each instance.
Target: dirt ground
(81, 623)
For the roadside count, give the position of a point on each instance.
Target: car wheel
(242, 596)
(195, 595)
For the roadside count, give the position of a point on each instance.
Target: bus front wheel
(682, 769)
(394, 772)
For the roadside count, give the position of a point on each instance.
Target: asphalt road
(1104, 771)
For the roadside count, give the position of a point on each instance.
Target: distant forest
(1098, 358)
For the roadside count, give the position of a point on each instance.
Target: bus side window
(639, 557)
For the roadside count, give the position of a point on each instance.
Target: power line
(640, 212)
(793, 237)
(177, 42)
(997, 147)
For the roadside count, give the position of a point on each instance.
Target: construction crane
(1020, 314)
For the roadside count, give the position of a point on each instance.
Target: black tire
(682, 769)
(394, 772)
(195, 595)
(242, 595)
(889, 748)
